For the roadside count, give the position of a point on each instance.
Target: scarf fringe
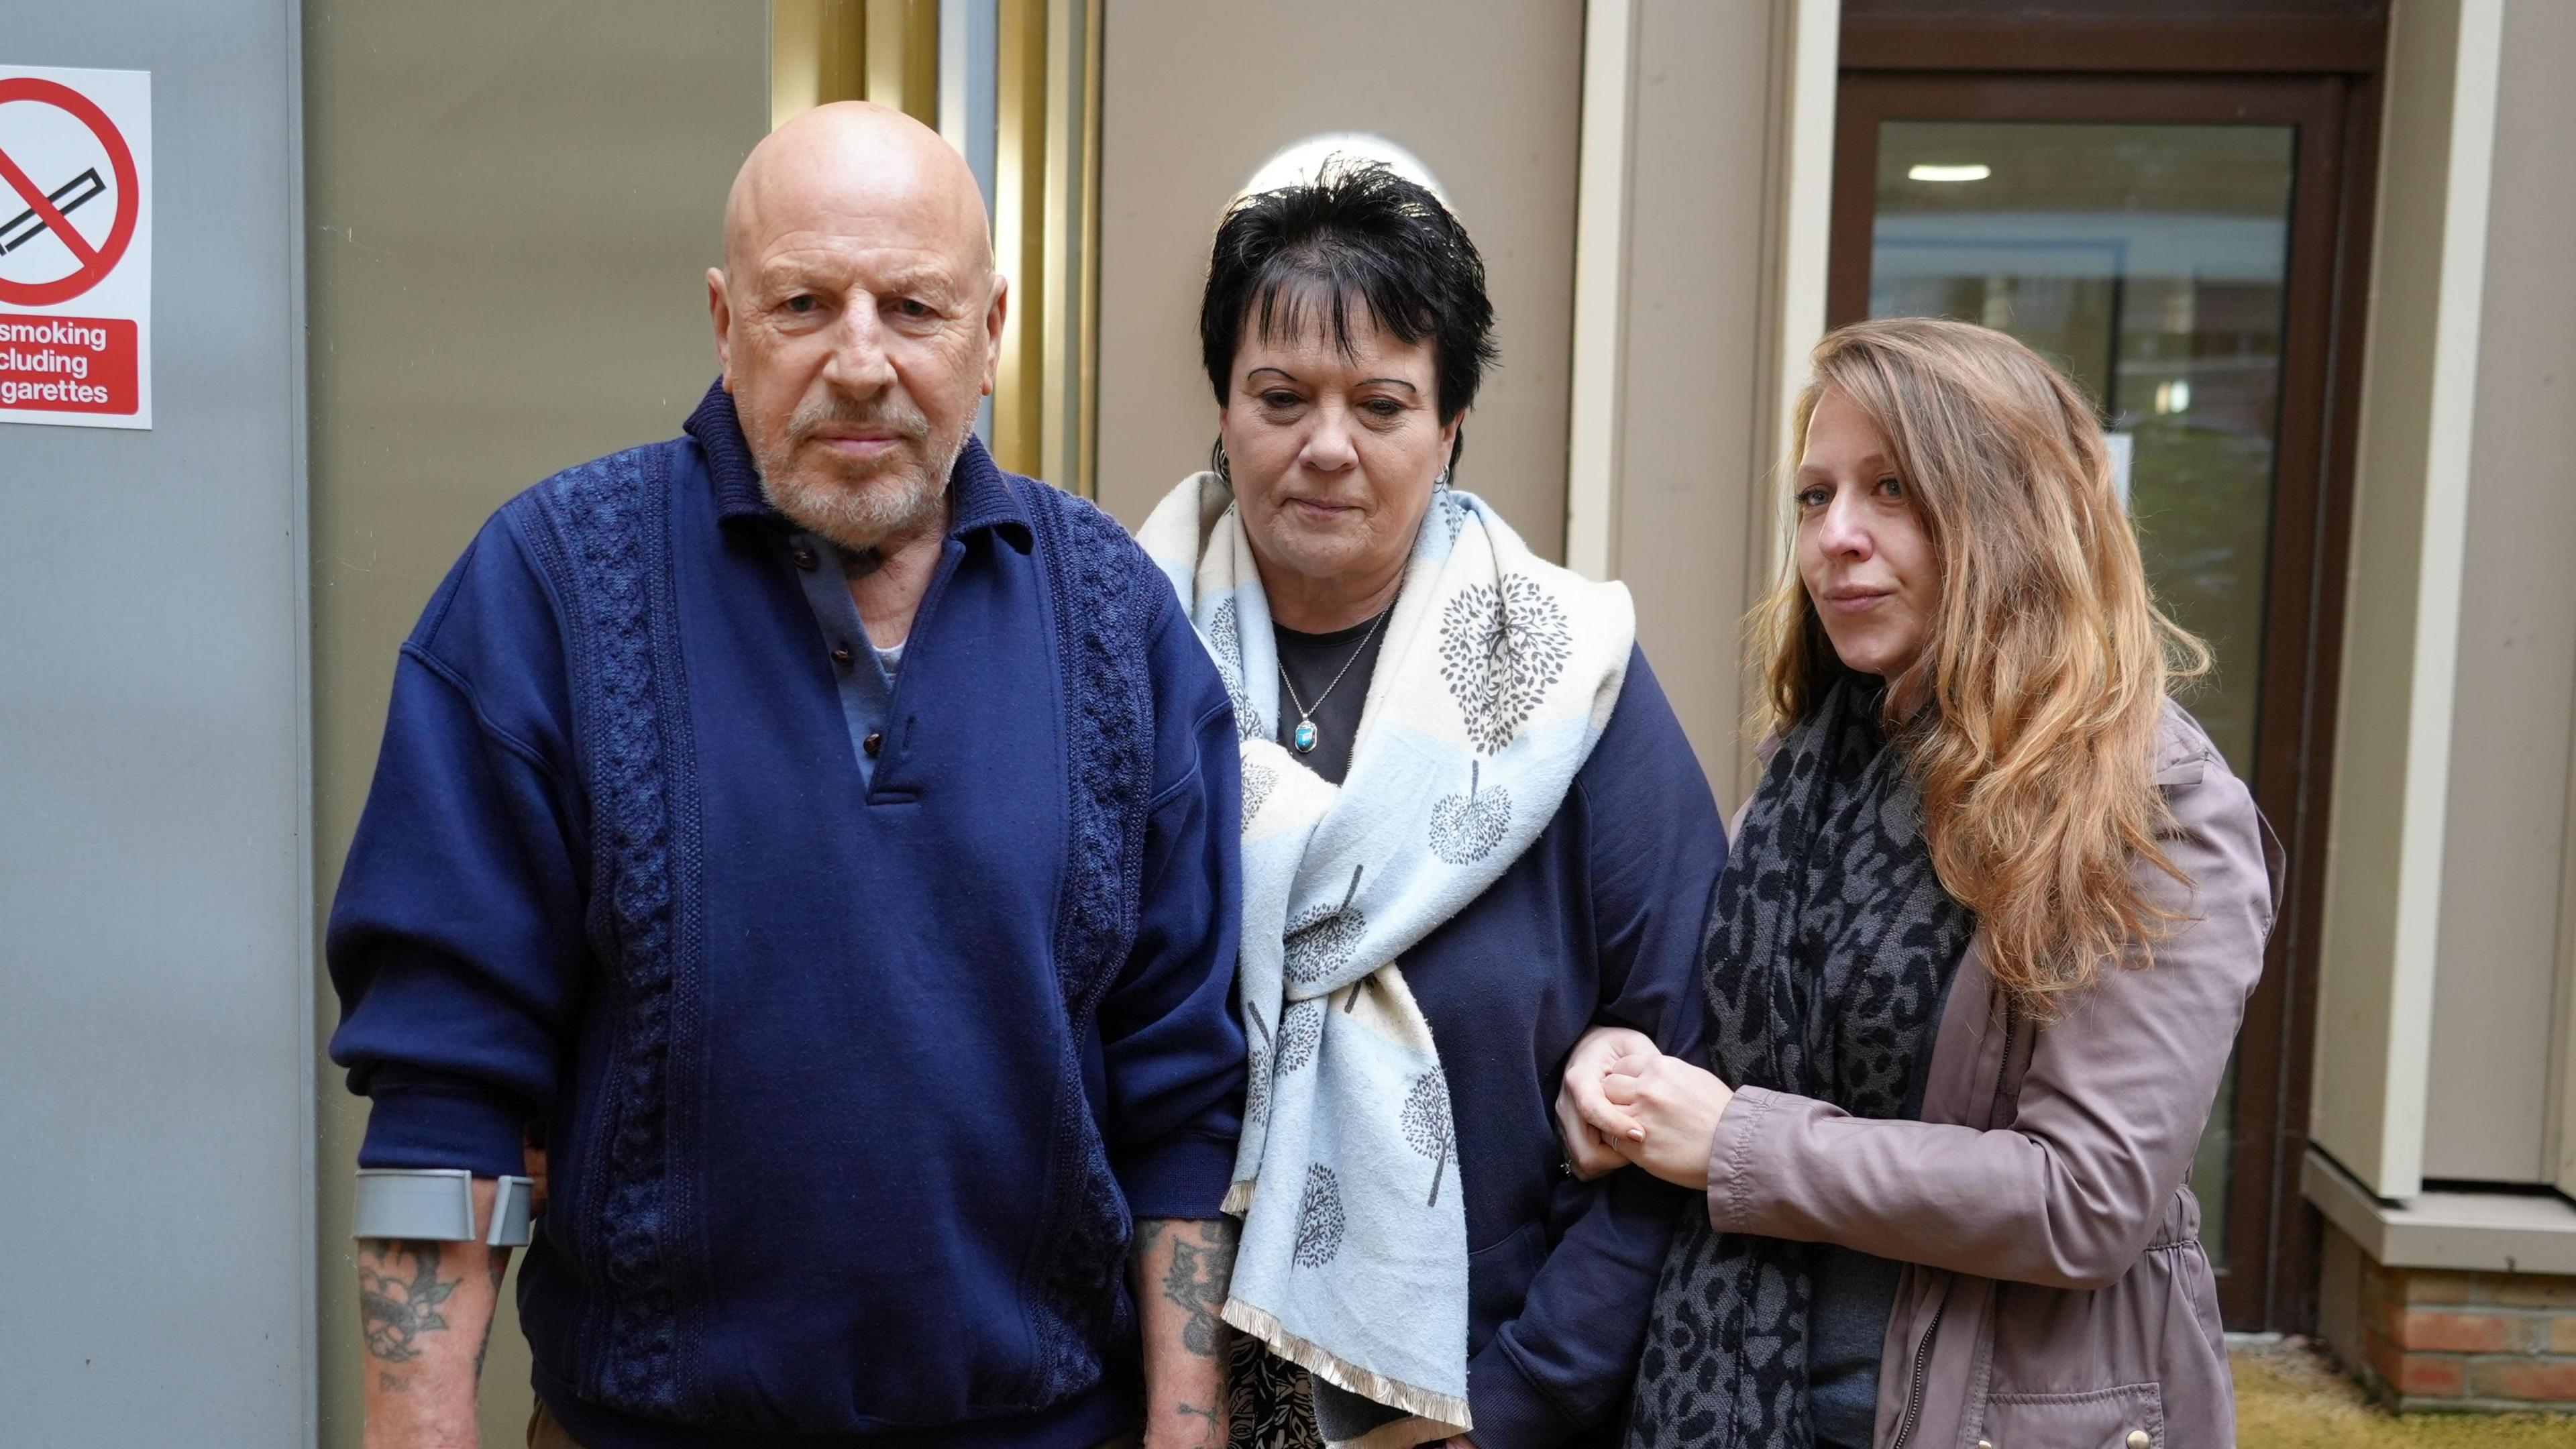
(1435, 1415)
(1238, 1198)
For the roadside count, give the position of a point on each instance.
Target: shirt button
(842, 656)
(873, 743)
(2138, 1439)
(805, 559)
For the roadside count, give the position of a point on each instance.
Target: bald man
(821, 841)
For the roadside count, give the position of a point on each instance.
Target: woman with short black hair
(1472, 829)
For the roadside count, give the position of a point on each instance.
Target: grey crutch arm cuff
(436, 1205)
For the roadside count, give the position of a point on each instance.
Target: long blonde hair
(2030, 716)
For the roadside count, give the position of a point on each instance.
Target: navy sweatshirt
(1599, 921)
(853, 1088)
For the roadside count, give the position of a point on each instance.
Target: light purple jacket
(2055, 1293)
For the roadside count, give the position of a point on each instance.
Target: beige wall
(2382, 883)
(1708, 318)
(2489, 1117)
(1690, 213)
(2443, 1024)
(1196, 95)
(2389, 873)
(511, 206)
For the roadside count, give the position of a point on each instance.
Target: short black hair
(1357, 230)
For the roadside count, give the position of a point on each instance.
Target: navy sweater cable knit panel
(853, 1088)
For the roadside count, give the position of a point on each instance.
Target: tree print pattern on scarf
(1450, 513)
(1301, 1030)
(1319, 1218)
(1225, 641)
(1428, 1127)
(1501, 646)
(1466, 828)
(1256, 1089)
(1828, 955)
(1320, 942)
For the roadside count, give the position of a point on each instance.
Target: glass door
(2146, 234)
(2148, 261)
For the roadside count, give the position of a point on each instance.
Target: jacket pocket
(1498, 1279)
(2131, 1416)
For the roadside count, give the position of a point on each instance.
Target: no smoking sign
(76, 247)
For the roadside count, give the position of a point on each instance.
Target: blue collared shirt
(860, 1155)
(864, 671)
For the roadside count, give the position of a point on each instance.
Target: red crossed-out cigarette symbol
(49, 210)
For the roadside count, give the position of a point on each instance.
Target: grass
(2290, 1396)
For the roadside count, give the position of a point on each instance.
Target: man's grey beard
(858, 511)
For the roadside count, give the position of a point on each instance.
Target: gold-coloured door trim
(1046, 181)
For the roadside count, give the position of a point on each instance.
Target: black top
(1311, 661)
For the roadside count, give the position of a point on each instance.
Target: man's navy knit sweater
(852, 1086)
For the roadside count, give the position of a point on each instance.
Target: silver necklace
(1305, 736)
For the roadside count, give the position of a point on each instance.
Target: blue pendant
(1303, 737)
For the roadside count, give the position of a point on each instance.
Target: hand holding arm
(1676, 1107)
(1181, 1270)
(1586, 1119)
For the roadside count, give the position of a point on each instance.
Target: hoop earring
(1217, 463)
(1440, 483)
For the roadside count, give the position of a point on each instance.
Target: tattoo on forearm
(1193, 1411)
(398, 1310)
(1202, 1264)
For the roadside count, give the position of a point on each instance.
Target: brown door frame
(2271, 1282)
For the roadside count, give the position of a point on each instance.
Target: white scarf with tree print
(1496, 678)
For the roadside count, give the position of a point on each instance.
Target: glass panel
(2148, 261)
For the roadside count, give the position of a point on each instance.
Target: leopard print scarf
(1829, 952)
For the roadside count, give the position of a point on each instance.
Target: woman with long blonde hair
(1984, 937)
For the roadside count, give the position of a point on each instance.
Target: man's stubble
(859, 510)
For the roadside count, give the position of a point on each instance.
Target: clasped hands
(1624, 1102)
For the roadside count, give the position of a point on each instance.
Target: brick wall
(2434, 1339)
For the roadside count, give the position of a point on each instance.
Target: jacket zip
(1922, 1366)
(1923, 1350)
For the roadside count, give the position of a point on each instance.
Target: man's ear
(720, 312)
(994, 316)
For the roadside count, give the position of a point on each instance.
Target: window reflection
(2148, 261)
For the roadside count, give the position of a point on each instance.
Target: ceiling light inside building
(1297, 164)
(1973, 171)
